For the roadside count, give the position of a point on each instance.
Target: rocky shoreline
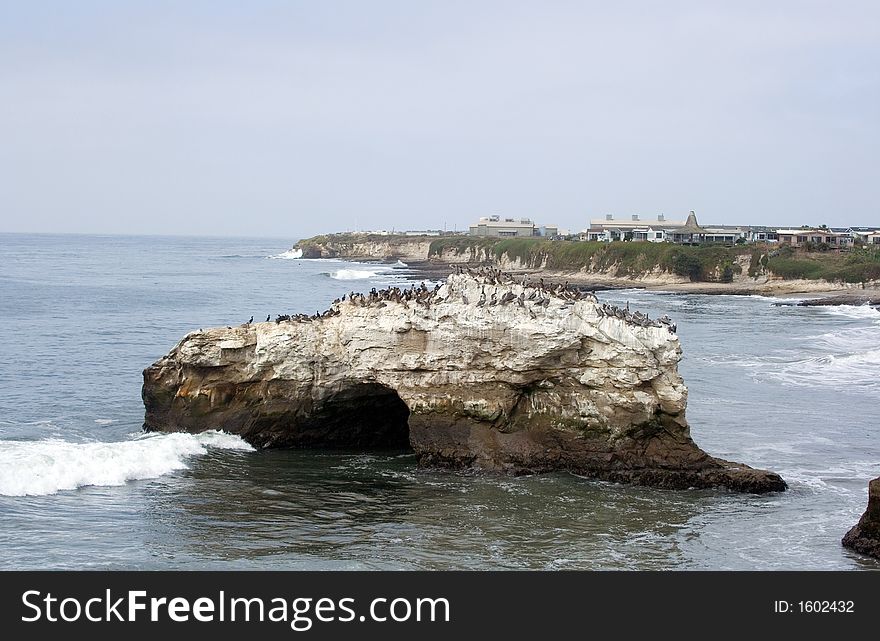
(841, 299)
(435, 271)
(484, 371)
(864, 537)
(418, 254)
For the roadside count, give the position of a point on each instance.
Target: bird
(268, 317)
(251, 320)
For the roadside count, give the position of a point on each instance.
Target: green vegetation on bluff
(342, 244)
(699, 263)
(857, 266)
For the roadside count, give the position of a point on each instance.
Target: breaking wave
(857, 312)
(290, 254)
(844, 371)
(846, 358)
(353, 274)
(34, 468)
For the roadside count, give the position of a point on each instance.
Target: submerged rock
(480, 373)
(864, 537)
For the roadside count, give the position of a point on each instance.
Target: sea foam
(290, 254)
(858, 312)
(32, 468)
(353, 274)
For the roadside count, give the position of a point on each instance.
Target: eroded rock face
(527, 380)
(864, 537)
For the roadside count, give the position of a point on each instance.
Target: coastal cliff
(708, 268)
(481, 372)
(864, 537)
(366, 247)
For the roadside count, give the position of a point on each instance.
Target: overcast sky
(295, 118)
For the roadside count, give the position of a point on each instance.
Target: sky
(290, 119)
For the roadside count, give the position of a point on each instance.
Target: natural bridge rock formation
(482, 372)
(864, 537)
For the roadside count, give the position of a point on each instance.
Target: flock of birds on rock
(636, 317)
(420, 295)
(539, 297)
(541, 292)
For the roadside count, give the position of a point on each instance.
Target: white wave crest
(846, 371)
(31, 468)
(859, 312)
(290, 254)
(789, 300)
(400, 263)
(353, 274)
(849, 340)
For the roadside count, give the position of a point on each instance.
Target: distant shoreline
(745, 270)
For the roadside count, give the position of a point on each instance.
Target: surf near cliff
(482, 372)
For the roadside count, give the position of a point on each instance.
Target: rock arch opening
(362, 416)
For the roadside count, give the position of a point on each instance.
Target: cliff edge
(481, 372)
(864, 537)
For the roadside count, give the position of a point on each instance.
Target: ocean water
(794, 390)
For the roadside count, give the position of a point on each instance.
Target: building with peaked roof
(657, 230)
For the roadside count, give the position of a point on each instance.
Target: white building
(608, 229)
(656, 230)
(495, 226)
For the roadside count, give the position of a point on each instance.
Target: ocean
(790, 389)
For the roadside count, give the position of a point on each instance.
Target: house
(649, 234)
(724, 234)
(865, 234)
(873, 239)
(609, 229)
(761, 234)
(658, 230)
(689, 233)
(814, 236)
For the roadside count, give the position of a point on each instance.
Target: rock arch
(359, 415)
(546, 379)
